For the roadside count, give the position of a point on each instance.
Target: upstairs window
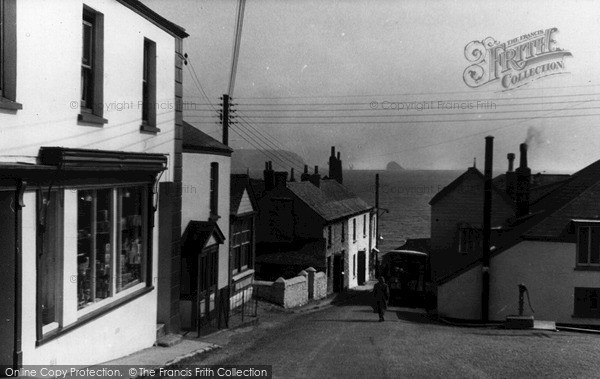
(469, 240)
(588, 246)
(354, 229)
(92, 72)
(364, 225)
(149, 87)
(241, 240)
(8, 55)
(343, 237)
(214, 190)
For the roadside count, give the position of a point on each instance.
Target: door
(362, 267)
(338, 273)
(7, 278)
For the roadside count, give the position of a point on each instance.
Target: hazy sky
(309, 70)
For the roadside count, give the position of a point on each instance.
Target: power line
(409, 93)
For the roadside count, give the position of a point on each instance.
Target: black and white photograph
(299, 189)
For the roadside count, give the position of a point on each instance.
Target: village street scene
(302, 189)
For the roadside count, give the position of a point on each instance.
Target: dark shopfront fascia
(107, 276)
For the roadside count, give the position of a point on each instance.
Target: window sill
(94, 315)
(587, 268)
(242, 275)
(147, 128)
(9, 104)
(90, 118)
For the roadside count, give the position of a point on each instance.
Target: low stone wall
(294, 292)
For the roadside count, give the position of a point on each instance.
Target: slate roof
(331, 201)
(472, 171)
(196, 141)
(551, 216)
(239, 183)
(576, 198)
(541, 184)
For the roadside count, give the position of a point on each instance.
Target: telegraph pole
(487, 223)
(377, 224)
(225, 119)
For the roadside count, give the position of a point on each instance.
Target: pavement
(186, 346)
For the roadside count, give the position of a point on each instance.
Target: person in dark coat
(381, 292)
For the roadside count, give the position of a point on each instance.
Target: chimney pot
(338, 155)
(523, 149)
(316, 169)
(306, 169)
(292, 179)
(333, 151)
(511, 161)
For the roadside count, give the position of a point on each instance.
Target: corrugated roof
(331, 201)
(196, 141)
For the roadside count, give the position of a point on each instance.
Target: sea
(405, 195)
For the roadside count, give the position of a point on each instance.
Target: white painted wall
(546, 269)
(124, 330)
(350, 246)
(196, 199)
(48, 87)
(461, 297)
(49, 81)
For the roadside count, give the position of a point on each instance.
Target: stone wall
(293, 292)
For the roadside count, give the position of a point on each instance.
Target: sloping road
(347, 341)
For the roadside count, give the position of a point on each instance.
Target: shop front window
(94, 249)
(131, 261)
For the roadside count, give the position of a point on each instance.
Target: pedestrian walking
(381, 292)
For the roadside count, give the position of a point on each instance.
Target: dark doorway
(338, 273)
(7, 278)
(362, 267)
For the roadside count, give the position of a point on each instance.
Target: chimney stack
(305, 175)
(315, 178)
(511, 177)
(523, 174)
(335, 166)
(292, 179)
(280, 178)
(269, 176)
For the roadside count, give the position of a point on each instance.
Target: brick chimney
(269, 176)
(316, 177)
(335, 166)
(511, 177)
(523, 174)
(280, 178)
(305, 175)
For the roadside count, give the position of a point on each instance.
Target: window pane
(103, 243)
(131, 262)
(94, 250)
(50, 263)
(582, 247)
(86, 56)
(595, 246)
(85, 243)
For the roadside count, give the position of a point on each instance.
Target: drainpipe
(487, 221)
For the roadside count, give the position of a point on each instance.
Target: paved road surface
(347, 341)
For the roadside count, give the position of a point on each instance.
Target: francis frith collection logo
(514, 63)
